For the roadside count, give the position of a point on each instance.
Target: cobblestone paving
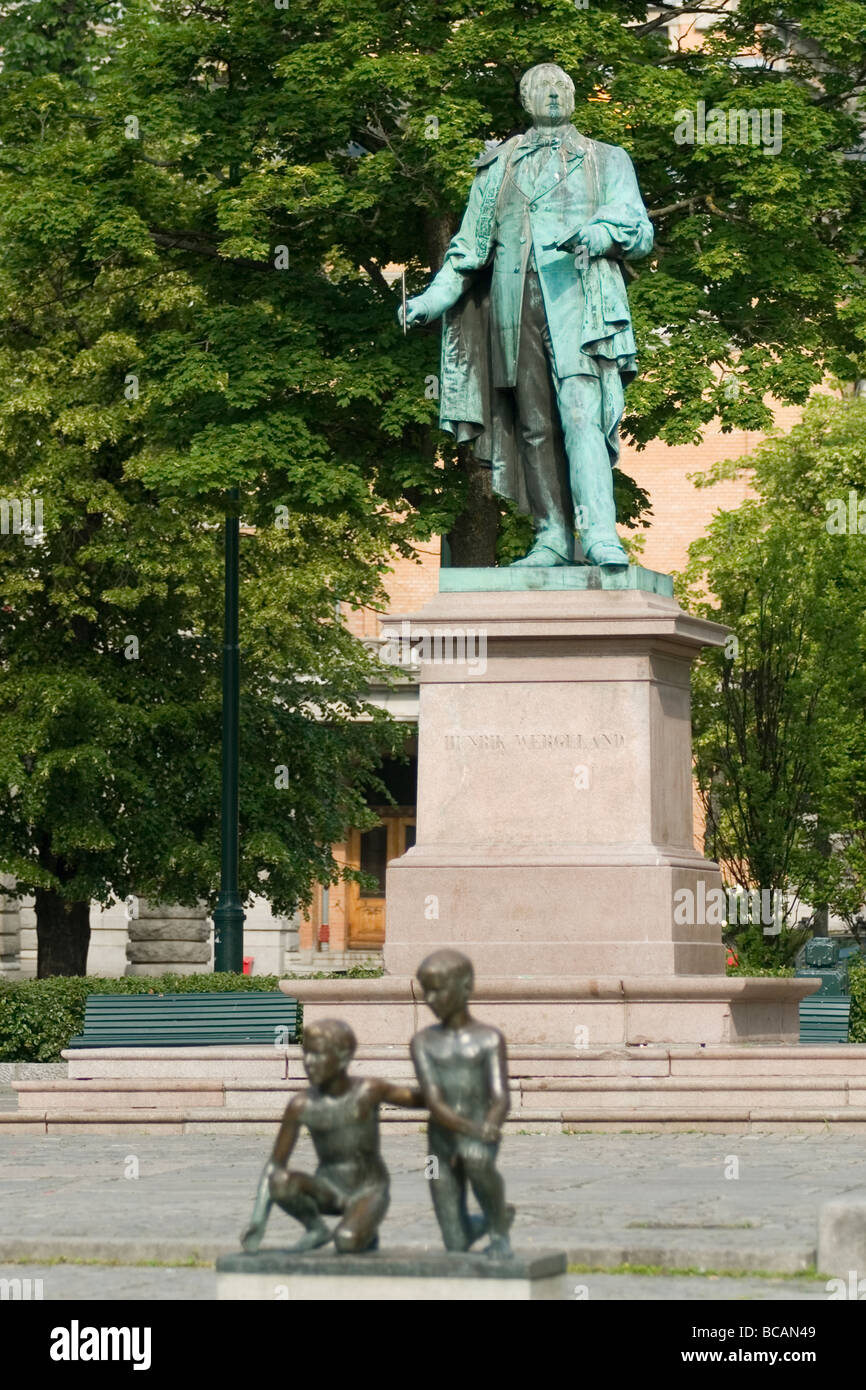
(642, 1199)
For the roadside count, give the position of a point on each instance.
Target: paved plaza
(711, 1206)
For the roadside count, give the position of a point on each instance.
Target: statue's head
(329, 1046)
(547, 93)
(446, 978)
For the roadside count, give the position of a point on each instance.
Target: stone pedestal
(167, 939)
(554, 823)
(555, 843)
(386, 1276)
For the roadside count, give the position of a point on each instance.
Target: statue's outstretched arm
(461, 261)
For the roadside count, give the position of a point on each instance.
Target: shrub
(38, 1017)
(857, 979)
(776, 972)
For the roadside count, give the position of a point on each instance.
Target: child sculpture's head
(329, 1046)
(446, 978)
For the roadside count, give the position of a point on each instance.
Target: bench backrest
(824, 1018)
(189, 1020)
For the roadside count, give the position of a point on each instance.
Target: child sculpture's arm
(434, 1100)
(285, 1142)
(497, 1074)
(409, 1097)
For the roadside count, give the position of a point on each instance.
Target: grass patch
(192, 1262)
(693, 1273)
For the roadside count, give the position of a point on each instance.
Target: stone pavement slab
(74, 1283)
(686, 1201)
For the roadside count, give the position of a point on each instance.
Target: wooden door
(371, 851)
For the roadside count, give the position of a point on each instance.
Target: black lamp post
(228, 918)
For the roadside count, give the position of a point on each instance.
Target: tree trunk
(472, 539)
(821, 914)
(821, 920)
(62, 935)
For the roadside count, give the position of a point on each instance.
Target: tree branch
(375, 273)
(180, 241)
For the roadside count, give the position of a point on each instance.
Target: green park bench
(824, 1016)
(235, 1018)
(824, 1019)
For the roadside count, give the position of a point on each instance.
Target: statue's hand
(596, 239)
(416, 312)
(252, 1237)
(490, 1134)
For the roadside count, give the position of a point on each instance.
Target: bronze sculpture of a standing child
(462, 1071)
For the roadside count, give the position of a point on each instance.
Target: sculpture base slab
(459, 581)
(396, 1275)
(584, 1011)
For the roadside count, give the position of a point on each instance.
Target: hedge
(857, 979)
(39, 1017)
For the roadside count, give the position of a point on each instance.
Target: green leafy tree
(111, 618)
(199, 206)
(780, 751)
(279, 160)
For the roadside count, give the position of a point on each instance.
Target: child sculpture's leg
(304, 1198)
(448, 1190)
(362, 1217)
(479, 1163)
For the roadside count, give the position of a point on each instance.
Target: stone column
(168, 939)
(109, 937)
(29, 943)
(268, 938)
(10, 931)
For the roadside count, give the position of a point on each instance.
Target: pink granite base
(575, 1011)
(548, 919)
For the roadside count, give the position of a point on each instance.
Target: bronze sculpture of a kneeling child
(351, 1181)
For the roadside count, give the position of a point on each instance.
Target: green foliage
(778, 711)
(749, 969)
(205, 199)
(132, 380)
(38, 1017)
(347, 138)
(857, 983)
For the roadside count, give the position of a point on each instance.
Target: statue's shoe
(540, 557)
(607, 553)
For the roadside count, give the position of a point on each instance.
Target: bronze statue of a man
(538, 342)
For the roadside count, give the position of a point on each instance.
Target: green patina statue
(462, 1070)
(537, 342)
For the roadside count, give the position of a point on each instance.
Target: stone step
(729, 1119)
(110, 1094)
(683, 1095)
(272, 1064)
